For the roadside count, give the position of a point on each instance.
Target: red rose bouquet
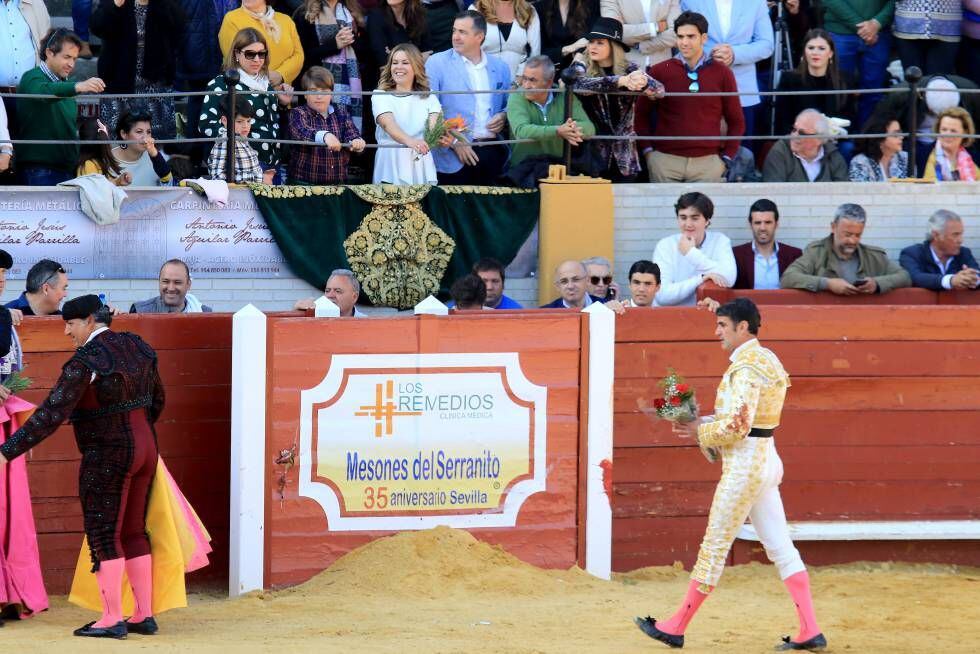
(678, 403)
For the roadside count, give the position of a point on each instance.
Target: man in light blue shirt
(467, 67)
(761, 262)
(23, 24)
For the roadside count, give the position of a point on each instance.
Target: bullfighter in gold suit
(747, 410)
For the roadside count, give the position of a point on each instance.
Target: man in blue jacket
(941, 262)
(467, 67)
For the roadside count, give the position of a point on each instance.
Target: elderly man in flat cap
(111, 391)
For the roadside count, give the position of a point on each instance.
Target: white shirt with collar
(812, 168)
(766, 269)
(682, 274)
(588, 301)
(89, 340)
(947, 281)
(479, 81)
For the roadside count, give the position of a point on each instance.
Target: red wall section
(194, 432)
(298, 543)
(881, 423)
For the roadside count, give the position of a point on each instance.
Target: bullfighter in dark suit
(111, 392)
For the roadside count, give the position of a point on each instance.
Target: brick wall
(644, 213)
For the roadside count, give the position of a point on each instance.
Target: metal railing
(231, 78)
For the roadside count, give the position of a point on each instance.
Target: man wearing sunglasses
(807, 155)
(47, 286)
(691, 73)
(600, 278)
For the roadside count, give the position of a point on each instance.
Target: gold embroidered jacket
(756, 380)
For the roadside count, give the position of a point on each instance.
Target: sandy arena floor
(443, 591)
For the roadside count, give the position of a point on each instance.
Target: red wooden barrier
(299, 542)
(905, 296)
(881, 423)
(193, 432)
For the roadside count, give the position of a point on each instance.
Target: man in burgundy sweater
(693, 73)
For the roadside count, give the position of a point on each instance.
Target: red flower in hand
(682, 388)
(659, 404)
(675, 401)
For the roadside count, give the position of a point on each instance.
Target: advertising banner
(154, 226)
(413, 441)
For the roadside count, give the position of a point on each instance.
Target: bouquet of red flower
(678, 403)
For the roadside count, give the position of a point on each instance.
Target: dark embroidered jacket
(126, 378)
(612, 115)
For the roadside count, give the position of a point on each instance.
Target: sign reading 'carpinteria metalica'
(409, 441)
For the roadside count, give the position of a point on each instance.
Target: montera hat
(6, 261)
(81, 307)
(607, 28)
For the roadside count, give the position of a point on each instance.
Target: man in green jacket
(51, 119)
(539, 114)
(841, 264)
(863, 40)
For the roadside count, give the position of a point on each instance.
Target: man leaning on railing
(51, 120)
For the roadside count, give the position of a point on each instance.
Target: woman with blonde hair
(513, 31)
(402, 116)
(330, 30)
(249, 55)
(285, 57)
(950, 161)
(603, 70)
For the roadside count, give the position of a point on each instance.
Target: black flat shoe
(814, 644)
(146, 627)
(117, 631)
(648, 626)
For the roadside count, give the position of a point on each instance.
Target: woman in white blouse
(513, 31)
(401, 118)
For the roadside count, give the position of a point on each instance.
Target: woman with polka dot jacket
(249, 54)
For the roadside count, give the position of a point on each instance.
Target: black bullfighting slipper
(145, 627)
(648, 626)
(117, 631)
(814, 644)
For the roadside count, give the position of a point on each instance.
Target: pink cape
(20, 564)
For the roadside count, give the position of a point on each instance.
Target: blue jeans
(867, 63)
(81, 11)
(37, 176)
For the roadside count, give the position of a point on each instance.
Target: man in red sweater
(693, 73)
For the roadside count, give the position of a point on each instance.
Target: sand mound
(435, 563)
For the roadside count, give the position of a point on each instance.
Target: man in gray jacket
(808, 155)
(175, 284)
(841, 264)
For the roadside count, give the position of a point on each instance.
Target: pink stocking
(140, 571)
(799, 589)
(109, 576)
(677, 623)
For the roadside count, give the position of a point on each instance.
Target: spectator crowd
(377, 81)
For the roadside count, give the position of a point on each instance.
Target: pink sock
(677, 623)
(109, 576)
(799, 589)
(140, 571)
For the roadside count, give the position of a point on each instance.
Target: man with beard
(843, 265)
(763, 260)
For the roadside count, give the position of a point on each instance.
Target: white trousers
(748, 488)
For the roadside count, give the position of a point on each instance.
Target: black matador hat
(81, 307)
(6, 261)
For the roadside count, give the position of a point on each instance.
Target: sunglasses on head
(595, 279)
(254, 54)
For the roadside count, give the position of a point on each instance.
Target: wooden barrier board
(194, 353)
(881, 423)
(299, 538)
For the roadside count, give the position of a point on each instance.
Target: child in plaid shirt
(247, 167)
(319, 121)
